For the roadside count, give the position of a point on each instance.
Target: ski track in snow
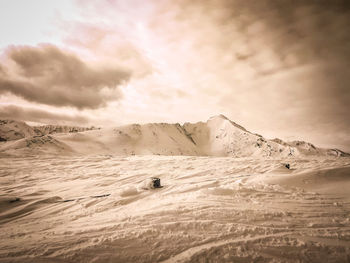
(211, 209)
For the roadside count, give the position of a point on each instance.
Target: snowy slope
(18, 138)
(15, 130)
(148, 139)
(44, 144)
(221, 137)
(307, 148)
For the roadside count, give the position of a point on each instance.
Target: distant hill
(219, 136)
(14, 130)
(51, 129)
(44, 144)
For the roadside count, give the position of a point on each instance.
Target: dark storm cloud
(51, 76)
(296, 32)
(2, 70)
(35, 115)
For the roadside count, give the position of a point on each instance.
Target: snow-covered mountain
(134, 139)
(219, 136)
(17, 137)
(15, 130)
(36, 145)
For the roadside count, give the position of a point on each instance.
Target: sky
(279, 68)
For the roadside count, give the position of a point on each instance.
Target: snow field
(210, 209)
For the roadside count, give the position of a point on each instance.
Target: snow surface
(210, 209)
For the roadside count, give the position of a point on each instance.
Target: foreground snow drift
(94, 209)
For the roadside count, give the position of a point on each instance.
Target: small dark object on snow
(156, 182)
(15, 200)
(287, 165)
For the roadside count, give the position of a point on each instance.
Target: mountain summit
(220, 116)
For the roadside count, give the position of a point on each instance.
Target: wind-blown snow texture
(217, 137)
(211, 209)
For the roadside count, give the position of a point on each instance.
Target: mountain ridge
(218, 136)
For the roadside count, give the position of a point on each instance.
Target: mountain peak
(223, 117)
(220, 116)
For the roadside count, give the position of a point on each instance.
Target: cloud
(2, 71)
(41, 116)
(49, 75)
(107, 42)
